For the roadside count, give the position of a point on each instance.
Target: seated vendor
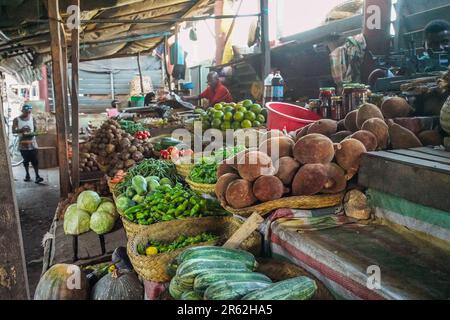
(437, 41)
(215, 93)
(113, 112)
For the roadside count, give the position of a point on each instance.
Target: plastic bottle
(268, 89)
(278, 87)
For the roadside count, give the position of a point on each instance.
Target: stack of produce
(153, 247)
(173, 153)
(303, 168)
(164, 204)
(223, 116)
(116, 149)
(88, 163)
(131, 127)
(216, 273)
(90, 212)
(388, 127)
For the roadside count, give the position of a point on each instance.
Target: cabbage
(102, 222)
(88, 201)
(70, 210)
(76, 222)
(108, 207)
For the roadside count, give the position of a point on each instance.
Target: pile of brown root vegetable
(388, 127)
(115, 149)
(304, 167)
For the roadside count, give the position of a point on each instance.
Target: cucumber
(190, 295)
(217, 253)
(167, 142)
(300, 288)
(208, 278)
(188, 270)
(233, 290)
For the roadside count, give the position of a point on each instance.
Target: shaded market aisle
(37, 206)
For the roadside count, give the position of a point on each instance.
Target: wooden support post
(75, 59)
(265, 45)
(13, 273)
(140, 72)
(247, 228)
(58, 84)
(65, 78)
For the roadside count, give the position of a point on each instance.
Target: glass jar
(325, 101)
(314, 105)
(337, 108)
(359, 96)
(347, 98)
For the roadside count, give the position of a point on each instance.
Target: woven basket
(297, 202)
(154, 268)
(184, 169)
(201, 187)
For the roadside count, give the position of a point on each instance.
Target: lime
(256, 124)
(228, 109)
(238, 116)
(238, 105)
(216, 123)
(218, 106)
(236, 125)
(228, 116)
(246, 124)
(206, 125)
(264, 112)
(256, 108)
(247, 103)
(225, 125)
(218, 115)
(261, 118)
(242, 109)
(250, 116)
(198, 111)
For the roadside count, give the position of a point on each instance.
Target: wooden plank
(75, 59)
(89, 246)
(421, 155)
(247, 228)
(417, 183)
(64, 246)
(430, 165)
(13, 273)
(265, 45)
(56, 51)
(439, 153)
(65, 78)
(140, 72)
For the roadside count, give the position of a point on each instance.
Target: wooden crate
(420, 175)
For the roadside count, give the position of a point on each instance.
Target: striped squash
(299, 288)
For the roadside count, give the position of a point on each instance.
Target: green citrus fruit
(228, 109)
(261, 118)
(216, 123)
(226, 125)
(218, 106)
(256, 124)
(242, 109)
(236, 125)
(218, 115)
(264, 112)
(228, 116)
(256, 108)
(239, 116)
(246, 124)
(250, 116)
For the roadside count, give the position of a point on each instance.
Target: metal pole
(140, 72)
(265, 45)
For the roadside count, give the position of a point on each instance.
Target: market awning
(109, 28)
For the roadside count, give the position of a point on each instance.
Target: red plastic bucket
(288, 116)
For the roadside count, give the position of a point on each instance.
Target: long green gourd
(300, 288)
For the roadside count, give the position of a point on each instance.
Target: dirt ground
(37, 205)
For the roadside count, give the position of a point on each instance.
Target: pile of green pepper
(205, 171)
(131, 127)
(181, 242)
(167, 203)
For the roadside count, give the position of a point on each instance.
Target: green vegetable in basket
(139, 184)
(138, 198)
(123, 202)
(152, 184)
(204, 172)
(130, 193)
(154, 247)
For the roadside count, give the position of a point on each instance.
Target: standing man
(216, 91)
(25, 126)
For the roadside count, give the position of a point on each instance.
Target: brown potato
(430, 138)
(396, 107)
(314, 148)
(254, 164)
(284, 144)
(348, 156)
(271, 134)
(336, 179)
(222, 185)
(225, 168)
(367, 111)
(302, 132)
(412, 124)
(402, 138)
(327, 127)
(286, 168)
(350, 121)
(239, 194)
(368, 139)
(380, 129)
(341, 125)
(309, 180)
(268, 188)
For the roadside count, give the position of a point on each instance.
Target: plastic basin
(289, 117)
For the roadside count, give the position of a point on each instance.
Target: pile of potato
(115, 149)
(303, 167)
(388, 127)
(88, 163)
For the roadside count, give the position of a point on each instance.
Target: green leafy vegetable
(181, 242)
(88, 201)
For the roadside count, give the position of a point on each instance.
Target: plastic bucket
(288, 116)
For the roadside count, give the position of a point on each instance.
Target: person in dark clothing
(25, 126)
(437, 36)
